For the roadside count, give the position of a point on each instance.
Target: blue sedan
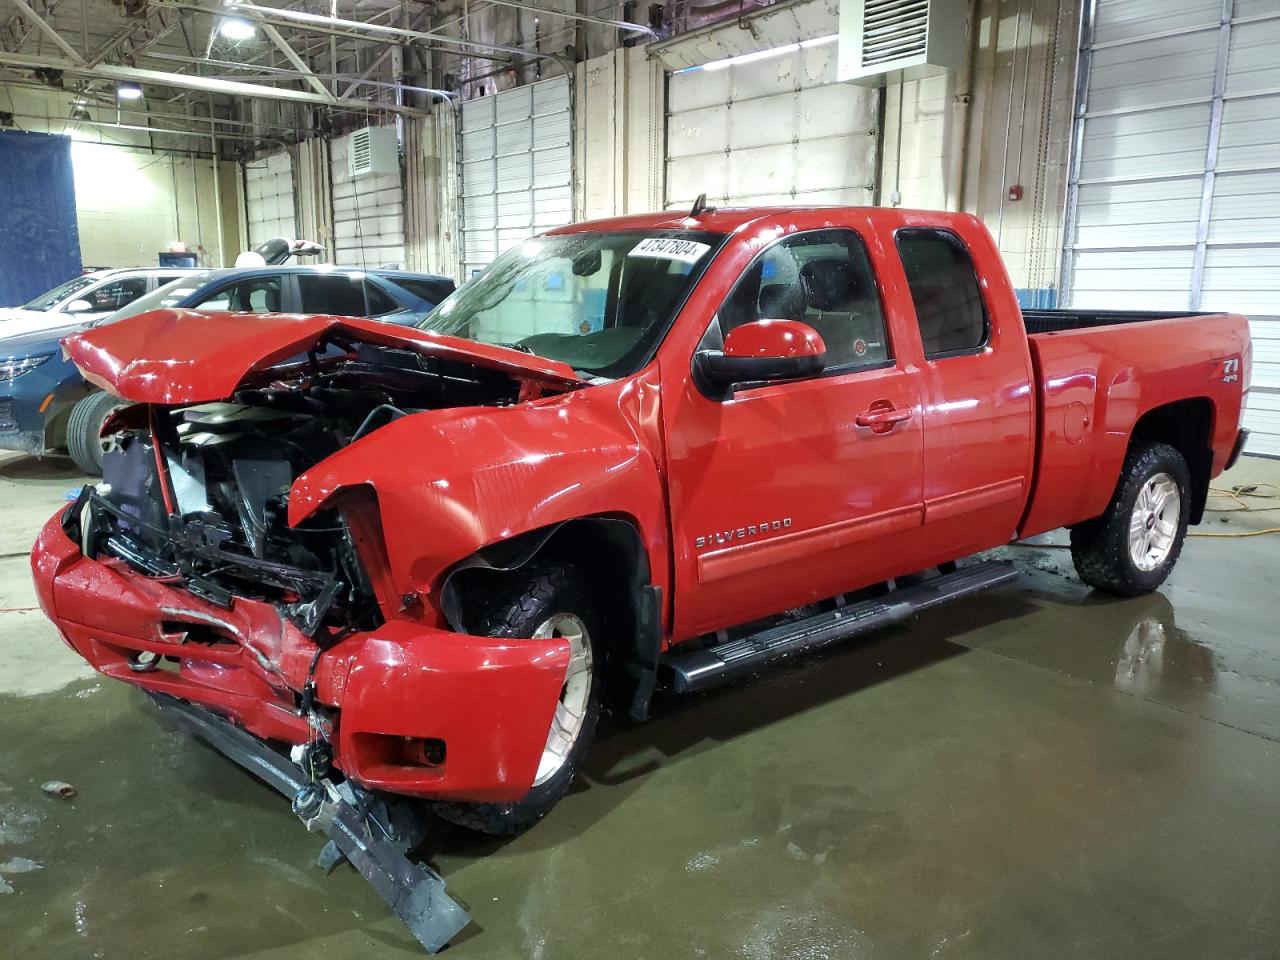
(46, 405)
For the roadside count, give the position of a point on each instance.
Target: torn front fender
(449, 482)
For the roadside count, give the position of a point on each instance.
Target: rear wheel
(541, 601)
(1131, 548)
(85, 442)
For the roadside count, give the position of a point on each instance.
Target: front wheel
(1131, 548)
(540, 601)
(84, 431)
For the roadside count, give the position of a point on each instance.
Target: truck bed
(1098, 373)
(1054, 321)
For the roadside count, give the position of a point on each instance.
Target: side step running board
(733, 658)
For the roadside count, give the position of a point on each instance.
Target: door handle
(881, 419)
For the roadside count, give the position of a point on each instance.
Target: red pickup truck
(427, 559)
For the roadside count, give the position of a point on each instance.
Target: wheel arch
(1187, 426)
(620, 574)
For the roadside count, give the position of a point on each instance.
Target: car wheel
(85, 442)
(544, 600)
(1131, 548)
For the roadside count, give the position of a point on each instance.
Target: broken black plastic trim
(351, 818)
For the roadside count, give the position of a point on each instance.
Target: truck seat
(782, 301)
(844, 314)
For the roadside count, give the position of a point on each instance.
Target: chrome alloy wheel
(575, 694)
(1153, 525)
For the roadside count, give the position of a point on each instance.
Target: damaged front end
(199, 498)
(182, 574)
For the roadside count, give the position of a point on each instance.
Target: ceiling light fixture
(237, 28)
(129, 91)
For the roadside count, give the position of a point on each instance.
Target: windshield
(47, 301)
(167, 296)
(599, 302)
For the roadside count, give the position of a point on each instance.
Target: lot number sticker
(669, 248)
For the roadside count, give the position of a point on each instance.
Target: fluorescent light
(755, 55)
(129, 91)
(237, 28)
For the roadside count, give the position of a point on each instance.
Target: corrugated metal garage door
(268, 184)
(770, 128)
(517, 168)
(1175, 194)
(368, 215)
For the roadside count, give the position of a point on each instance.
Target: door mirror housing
(762, 351)
(79, 306)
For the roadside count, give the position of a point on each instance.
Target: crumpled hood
(181, 356)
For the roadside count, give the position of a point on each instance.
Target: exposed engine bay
(198, 495)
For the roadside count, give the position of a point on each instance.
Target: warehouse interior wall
(962, 140)
(431, 193)
(133, 201)
(955, 141)
(619, 143)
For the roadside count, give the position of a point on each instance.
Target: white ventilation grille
(894, 29)
(360, 159)
(914, 38)
(372, 151)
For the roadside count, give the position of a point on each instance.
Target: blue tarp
(39, 241)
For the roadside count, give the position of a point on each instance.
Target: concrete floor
(1034, 773)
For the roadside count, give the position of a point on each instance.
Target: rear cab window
(944, 289)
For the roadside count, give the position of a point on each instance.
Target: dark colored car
(45, 404)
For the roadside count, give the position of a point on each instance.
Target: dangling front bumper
(407, 708)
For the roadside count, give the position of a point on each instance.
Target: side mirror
(764, 350)
(79, 306)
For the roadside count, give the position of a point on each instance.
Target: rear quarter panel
(1095, 384)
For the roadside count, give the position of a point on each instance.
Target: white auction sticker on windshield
(669, 248)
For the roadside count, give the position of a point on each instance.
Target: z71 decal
(1231, 370)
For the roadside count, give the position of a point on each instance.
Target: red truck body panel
(1095, 384)
(744, 506)
(489, 699)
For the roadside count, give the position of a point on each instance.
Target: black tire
(1100, 547)
(516, 608)
(84, 429)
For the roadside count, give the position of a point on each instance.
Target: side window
(379, 302)
(428, 291)
(121, 293)
(944, 288)
(254, 295)
(338, 294)
(822, 278)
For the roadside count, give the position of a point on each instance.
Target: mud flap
(357, 824)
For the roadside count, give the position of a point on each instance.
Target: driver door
(779, 497)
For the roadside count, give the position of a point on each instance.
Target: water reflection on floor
(1036, 772)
